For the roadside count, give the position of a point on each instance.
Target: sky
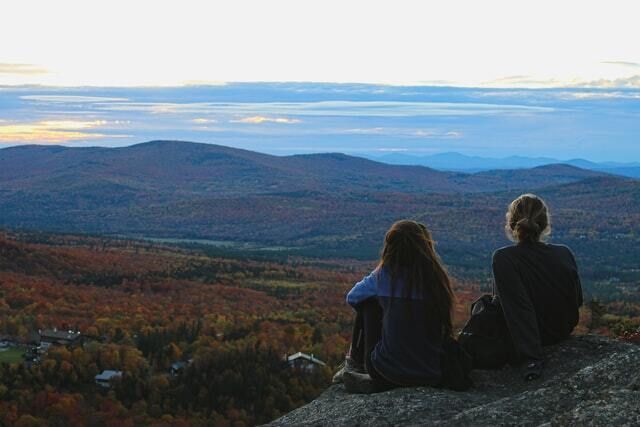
(309, 76)
(288, 118)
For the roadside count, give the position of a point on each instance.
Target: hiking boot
(349, 365)
(357, 382)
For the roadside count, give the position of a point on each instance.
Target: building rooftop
(106, 375)
(59, 334)
(300, 355)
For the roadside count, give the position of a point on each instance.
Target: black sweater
(540, 292)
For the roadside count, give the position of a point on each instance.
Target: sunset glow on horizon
(52, 131)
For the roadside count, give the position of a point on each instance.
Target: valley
(318, 206)
(222, 262)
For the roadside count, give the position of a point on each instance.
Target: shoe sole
(359, 383)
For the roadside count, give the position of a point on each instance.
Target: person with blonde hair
(537, 283)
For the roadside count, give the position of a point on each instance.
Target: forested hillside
(324, 205)
(179, 169)
(142, 307)
(223, 262)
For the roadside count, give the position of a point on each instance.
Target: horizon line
(213, 84)
(360, 154)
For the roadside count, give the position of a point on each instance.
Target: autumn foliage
(142, 307)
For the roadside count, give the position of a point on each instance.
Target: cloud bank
(262, 119)
(600, 124)
(21, 69)
(52, 131)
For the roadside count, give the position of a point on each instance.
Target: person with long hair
(403, 315)
(537, 283)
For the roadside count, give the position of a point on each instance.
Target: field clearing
(11, 355)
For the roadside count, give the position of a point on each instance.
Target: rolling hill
(318, 205)
(463, 163)
(169, 168)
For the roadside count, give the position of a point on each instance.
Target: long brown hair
(528, 219)
(409, 255)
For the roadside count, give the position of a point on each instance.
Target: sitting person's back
(402, 333)
(538, 283)
(409, 349)
(550, 275)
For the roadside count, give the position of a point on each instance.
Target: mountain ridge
(453, 161)
(177, 163)
(315, 205)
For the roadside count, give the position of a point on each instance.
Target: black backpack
(485, 336)
(455, 366)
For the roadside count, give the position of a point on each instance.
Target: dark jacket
(540, 293)
(411, 346)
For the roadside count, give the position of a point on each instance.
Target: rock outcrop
(588, 380)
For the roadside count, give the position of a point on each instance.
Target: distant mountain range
(321, 204)
(462, 163)
(169, 169)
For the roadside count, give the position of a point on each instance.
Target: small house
(178, 367)
(60, 337)
(104, 379)
(303, 362)
(33, 339)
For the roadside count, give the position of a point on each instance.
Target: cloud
(623, 63)
(209, 129)
(21, 69)
(621, 82)
(392, 150)
(403, 132)
(263, 119)
(523, 81)
(600, 95)
(454, 134)
(531, 82)
(52, 131)
(201, 120)
(366, 131)
(423, 133)
(561, 94)
(72, 124)
(71, 98)
(157, 107)
(277, 112)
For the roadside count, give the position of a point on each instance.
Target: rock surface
(588, 380)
